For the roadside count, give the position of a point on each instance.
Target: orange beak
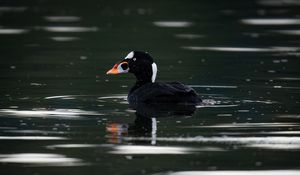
(117, 69)
(113, 70)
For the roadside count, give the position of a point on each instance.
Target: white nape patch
(130, 55)
(154, 72)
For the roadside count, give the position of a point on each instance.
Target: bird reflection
(145, 123)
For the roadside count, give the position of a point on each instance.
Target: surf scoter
(146, 90)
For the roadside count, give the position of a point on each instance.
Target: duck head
(139, 63)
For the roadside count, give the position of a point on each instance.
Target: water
(60, 113)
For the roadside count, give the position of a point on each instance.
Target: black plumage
(159, 92)
(146, 90)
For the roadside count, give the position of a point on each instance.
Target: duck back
(173, 92)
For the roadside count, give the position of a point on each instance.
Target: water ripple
(12, 9)
(137, 149)
(69, 29)
(288, 32)
(278, 142)
(40, 159)
(242, 49)
(62, 18)
(174, 24)
(234, 172)
(188, 36)
(121, 96)
(7, 31)
(78, 146)
(64, 38)
(66, 113)
(280, 3)
(32, 138)
(213, 86)
(271, 21)
(247, 125)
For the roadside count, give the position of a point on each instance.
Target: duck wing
(173, 92)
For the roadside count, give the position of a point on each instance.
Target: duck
(146, 90)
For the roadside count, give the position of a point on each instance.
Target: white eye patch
(130, 55)
(123, 68)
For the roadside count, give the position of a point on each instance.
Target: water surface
(60, 113)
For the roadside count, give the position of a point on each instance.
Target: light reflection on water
(241, 57)
(288, 32)
(242, 49)
(7, 31)
(279, 3)
(139, 149)
(69, 29)
(64, 38)
(12, 9)
(32, 138)
(237, 172)
(247, 125)
(270, 142)
(62, 18)
(188, 36)
(64, 113)
(173, 24)
(40, 159)
(271, 21)
(135, 149)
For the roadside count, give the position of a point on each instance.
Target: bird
(146, 90)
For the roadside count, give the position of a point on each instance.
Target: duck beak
(113, 70)
(118, 68)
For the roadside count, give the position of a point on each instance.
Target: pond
(61, 113)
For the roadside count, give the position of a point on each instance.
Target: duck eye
(124, 66)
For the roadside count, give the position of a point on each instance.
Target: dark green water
(61, 114)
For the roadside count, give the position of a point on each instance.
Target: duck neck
(143, 78)
(140, 82)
